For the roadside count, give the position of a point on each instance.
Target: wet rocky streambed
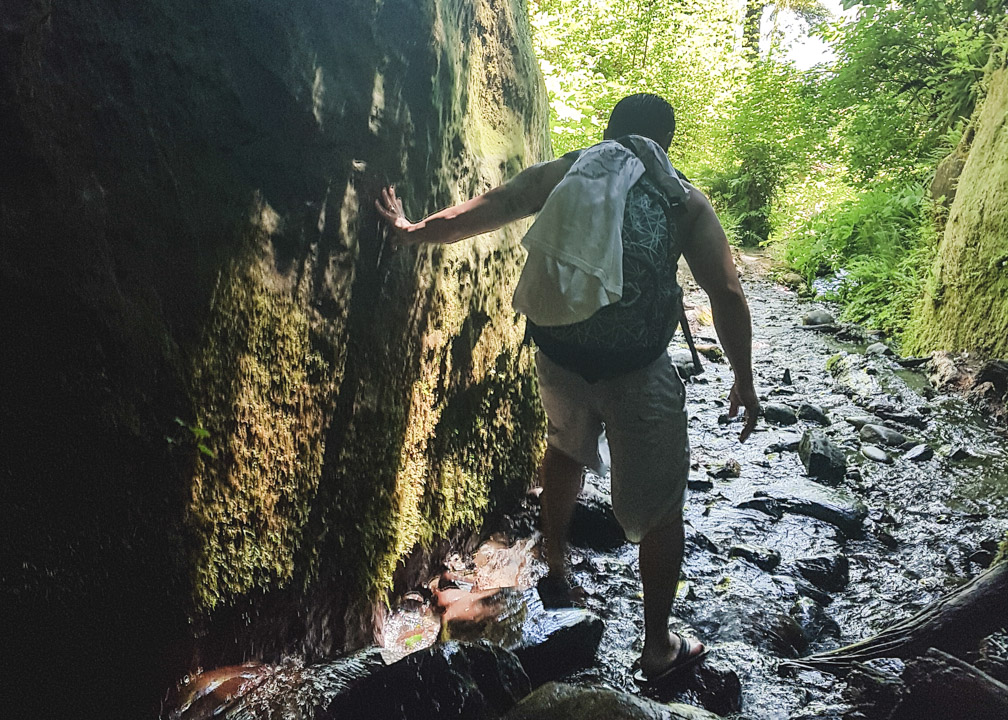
(908, 503)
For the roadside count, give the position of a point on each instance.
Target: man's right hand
(744, 398)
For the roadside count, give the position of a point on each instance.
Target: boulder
(831, 505)
(813, 413)
(554, 643)
(919, 453)
(593, 523)
(458, 680)
(558, 701)
(827, 572)
(879, 349)
(822, 459)
(872, 433)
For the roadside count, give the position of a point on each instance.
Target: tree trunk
(958, 621)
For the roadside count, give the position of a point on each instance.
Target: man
(641, 409)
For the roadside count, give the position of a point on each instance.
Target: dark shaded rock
(767, 505)
(683, 361)
(881, 434)
(593, 523)
(786, 636)
(876, 454)
(813, 413)
(912, 363)
(811, 592)
(981, 557)
(701, 484)
(788, 442)
(558, 701)
(697, 539)
(556, 642)
(994, 372)
(729, 469)
(818, 317)
(716, 685)
(831, 505)
(827, 572)
(912, 417)
(459, 680)
(879, 348)
(956, 452)
(815, 623)
(762, 557)
(919, 453)
(822, 459)
(786, 380)
(778, 414)
(859, 421)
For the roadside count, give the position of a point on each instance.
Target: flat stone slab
(831, 505)
(559, 701)
(872, 433)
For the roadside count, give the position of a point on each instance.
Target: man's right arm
(519, 197)
(706, 250)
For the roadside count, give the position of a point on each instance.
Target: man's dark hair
(642, 114)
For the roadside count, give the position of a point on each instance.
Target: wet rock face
(963, 305)
(472, 680)
(557, 701)
(189, 233)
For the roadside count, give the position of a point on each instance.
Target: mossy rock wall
(235, 408)
(965, 305)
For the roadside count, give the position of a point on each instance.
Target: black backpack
(634, 331)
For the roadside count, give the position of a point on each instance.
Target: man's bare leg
(560, 477)
(661, 554)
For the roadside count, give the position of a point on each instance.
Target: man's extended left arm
(710, 260)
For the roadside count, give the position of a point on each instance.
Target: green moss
(259, 389)
(833, 364)
(965, 303)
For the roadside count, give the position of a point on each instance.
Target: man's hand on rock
(390, 208)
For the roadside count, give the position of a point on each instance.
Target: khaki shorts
(644, 419)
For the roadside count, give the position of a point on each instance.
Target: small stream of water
(928, 524)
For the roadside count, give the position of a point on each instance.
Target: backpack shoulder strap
(669, 224)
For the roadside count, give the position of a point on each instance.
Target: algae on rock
(965, 303)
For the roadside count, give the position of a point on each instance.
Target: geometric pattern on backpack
(647, 314)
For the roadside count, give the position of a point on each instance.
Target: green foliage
(878, 242)
(594, 52)
(906, 73)
(773, 132)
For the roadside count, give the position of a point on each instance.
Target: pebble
(788, 442)
(879, 349)
(875, 453)
(871, 433)
(919, 453)
(818, 317)
(729, 469)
